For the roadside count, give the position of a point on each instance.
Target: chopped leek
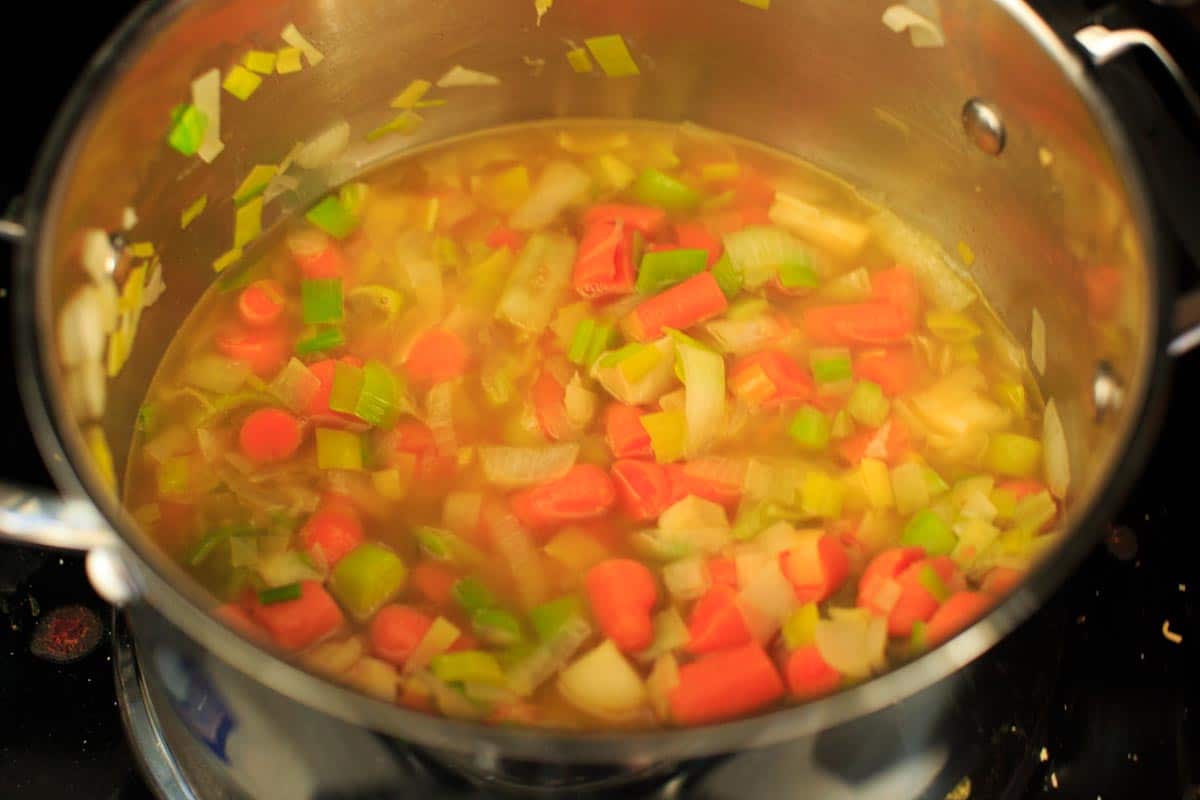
(589, 341)
(293, 37)
(843, 426)
(549, 619)
(877, 483)
(173, 476)
(189, 214)
(821, 495)
(412, 94)
(321, 300)
(612, 172)
(331, 216)
(338, 449)
(459, 76)
(515, 467)
(241, 82)
(655, 188)
(279, 594)
(1013, 455)
(287, 61)
(579, 60)
(952, 327)
(404, 123)
(868, 405)
(247, 222)
(668, 435)
(209, 542)
(366, 578)
(800, 629)
(381, 398)
(260, 61)
(255, 183)
(799, 275)
(810, 429)
(929, 531)
(187, 129)
(393, 483)
(759, 251)
(665, 268)
(727, 277)
(495, 626)
(472, 594)
(320, 341)
(612, 55)
(437, 640)
(703, 373)
(538, 281)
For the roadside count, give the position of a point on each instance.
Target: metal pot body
(1041, 190)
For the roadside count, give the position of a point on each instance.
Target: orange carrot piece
(697, 299)
(717, 622)
(396, 631)
(818, 571)
(895, 369)
(437, 355)
(604, 265)
(897, 286)
(622, 593)
(884, 569)
(624, 432)
(808, 674)
(1022, 487)
(269, 435)
(549, 405)
(323, 264)
(1103, 286)
(640, 218)
(955, 615)
(915, 601)
(239, 619)
(690, 479)
(724, 685)
(261, 303)
(722, 572)
(296, 624)
(416, 439)
(505, 237)
(999, 581)
(872, 323)
(694, 236)
(435, 582)
(334, 530)
(770, 378)
(318, 405)
(585, 492)
(644, 486)
(891, 447)
(264, 350)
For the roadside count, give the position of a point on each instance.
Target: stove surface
(1103, 710)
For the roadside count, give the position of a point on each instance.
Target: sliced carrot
(1022, 487)
(505, 237)
(716, 621)
(435, 582)
(264, 350)
(585, 492)
(874, 587)
(754, 189)
(416, 439)
(322, 264)
(915, 602)
(622, 593)
(895, 369)
(334, 530)
(1103, 286)
(955, 615)
(808, 674)
(437, 355)
(725, 685)
(640, 218)
(269, 435)
(872, 323)
(697, 299)
(396, 631)
(549, 405)
(296, 624)
(722, 572)
(604, 265)
(817, 569)
(624, 432)
(239, 619)
(770, 378)
(693, 479)
(261, 303)
(890, 445)
(897, 286)
(694, 236)
(1001, 580)
(644, 486)
(318, 405)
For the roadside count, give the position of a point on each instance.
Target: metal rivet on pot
(984, 126)
(1107, 391)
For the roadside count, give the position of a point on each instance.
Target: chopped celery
(548, 619)
(868, 405)
(486, 279)
(279, 594)
(601, 340)
(495, 626)
(380, 400)
(821, 495)
(665, 268)
(799, 275)
(1013, 455)
(321, 300)
(668, 435)
(437, 640)
(649, 544)
(468, 666)
(748, 308)
(187, 129)
(498, 380)
(952, 327)
(241, 82)
(247, 222)
(934, 482)
(831, 365)
(339, 450)
(909, 488)
(670, 634)
(655, 188)
(332, 216)
(810, 429)
(347, 386)
(581, 341)
(929, 531)
(204, 548)
(877, 483)
(472, 594)
(320, 341)
(403, 123)
(727, 277)
(366, 578)
(612, 55)
(800, 629)
(931, 582)
(255, 183)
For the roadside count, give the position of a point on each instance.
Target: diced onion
(742, 336)
(323, 148)
(939, 280)
(687, 578)
(766, 597)
(850, 644)
(295, 385)
(334, 658)
(670, 634)
(704, 380)
(293, 37)
(459, 76)
(538, 281)
(559, 184)
(664, 677)
(602, 683)
(439, 416)
(461, 511)
(206, 98)
(515, 467)
(375, 678)
(442, 634)
(515, 546)
(580, 404)
(81, 327)
(922, 32)
(527, 675)
(842, 237)
(1055, 455)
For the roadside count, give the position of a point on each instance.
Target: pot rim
(181, 603)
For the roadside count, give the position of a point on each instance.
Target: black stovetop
(1118, 722)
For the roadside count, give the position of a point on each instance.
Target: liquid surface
(595, 426)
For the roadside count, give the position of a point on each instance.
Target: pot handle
(1102, 46)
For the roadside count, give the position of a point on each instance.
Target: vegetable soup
(584, 425)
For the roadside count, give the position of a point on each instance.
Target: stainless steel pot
(998, 139)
